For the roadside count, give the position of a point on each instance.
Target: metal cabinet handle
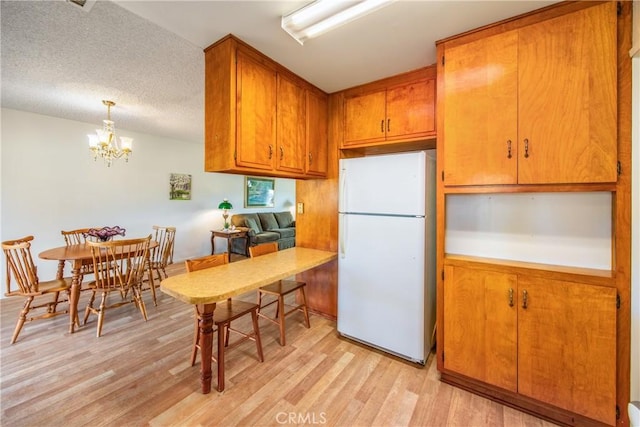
(382, 125)
(310, 158)
(510, 297)
(388, 125)
(281, 153)
(270, 151)
(508, 149)
(526, 148)
(525, 297)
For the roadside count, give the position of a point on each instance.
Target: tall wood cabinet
(537, 103)
(258, 117)
(534, 105)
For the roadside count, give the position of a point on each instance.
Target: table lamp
(225, 206)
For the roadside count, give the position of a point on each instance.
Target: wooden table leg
(229, 247)
(60, 272)
(206, 345)
(220, 355)
(74, 295)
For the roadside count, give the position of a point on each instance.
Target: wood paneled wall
(317, 225)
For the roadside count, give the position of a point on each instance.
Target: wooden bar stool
(279, 290)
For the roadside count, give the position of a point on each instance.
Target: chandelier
(104, 143)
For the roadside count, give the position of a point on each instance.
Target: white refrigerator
(386, 259)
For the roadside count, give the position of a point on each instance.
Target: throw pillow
(268, 221)
(285, 219)
(252, 224)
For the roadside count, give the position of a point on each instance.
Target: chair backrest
(119, 263)
(20, 265)
(206, 262)
(262, 249)
(163, 253)
(75, 237)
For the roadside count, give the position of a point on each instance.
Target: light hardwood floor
(138, 374)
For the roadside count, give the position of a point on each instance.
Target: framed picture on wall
(179, 186)
(259, 192)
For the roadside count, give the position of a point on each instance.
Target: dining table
(79, 255)
(206, 287)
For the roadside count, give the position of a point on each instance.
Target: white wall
(50, 182)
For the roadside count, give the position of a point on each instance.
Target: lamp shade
(225, 204)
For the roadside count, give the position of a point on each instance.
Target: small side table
(229, 235)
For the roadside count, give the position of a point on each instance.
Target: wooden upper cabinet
(568, 76)
(256, 114)
(316, 161)
(399, 108)
(364, 118)
(535, 105)
(291, 126)
(411, 110)
(481, 111)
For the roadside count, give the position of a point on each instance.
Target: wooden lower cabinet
(550, 341)
(480, 326)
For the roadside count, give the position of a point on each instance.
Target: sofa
(263, 227)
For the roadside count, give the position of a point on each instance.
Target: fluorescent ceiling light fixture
(323, 15)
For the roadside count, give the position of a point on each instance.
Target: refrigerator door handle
(343, 233)
(343, 194)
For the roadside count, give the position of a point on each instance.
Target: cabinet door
(411, 110)
(480, 111)
(480, 328)
(567, 346)
(291, 127)
(317, 134)
(256, 114)
(567, 98)
(365, 118)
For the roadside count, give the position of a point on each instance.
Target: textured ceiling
(60, 60)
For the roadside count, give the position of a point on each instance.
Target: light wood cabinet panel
(567, 346)
(480, 339)
(410, 110)
(535, 105)
(364, 118)
(291, 126)
(317, 134)
(481, 111)
(256, 114)
(567, 98)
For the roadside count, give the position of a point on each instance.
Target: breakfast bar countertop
(217, 284)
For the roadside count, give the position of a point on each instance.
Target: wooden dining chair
(161, 256)
(279, 290)
(26, 284)
(119, 266)
(78, 237)
(223, 315)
